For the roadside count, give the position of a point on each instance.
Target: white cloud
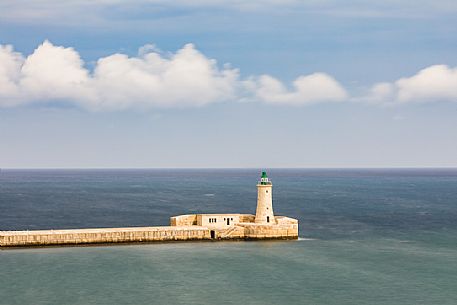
(380, 93)
(186, 78)
(148, 48)
(437, 82)
(10, 65)
(433, 84)
(313, 88)
(53, 73)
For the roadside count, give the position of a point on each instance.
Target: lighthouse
(264, 213)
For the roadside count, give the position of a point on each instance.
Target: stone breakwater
(101, 236)
(183, 228)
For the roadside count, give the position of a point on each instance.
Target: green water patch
(377, 271)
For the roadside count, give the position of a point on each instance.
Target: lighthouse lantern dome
(264, 179)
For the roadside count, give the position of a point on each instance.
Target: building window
(267, 191)
(268, 218)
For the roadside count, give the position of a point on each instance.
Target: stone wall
(235, 232)
(111, 235)
(283, 220)
(182, 228)
(260, 231)
(184, 220)
(247, 218)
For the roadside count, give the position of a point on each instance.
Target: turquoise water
(367, 237)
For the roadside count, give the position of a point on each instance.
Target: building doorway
(213, 234)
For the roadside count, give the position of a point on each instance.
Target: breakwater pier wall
(101, 236)
(182, 228)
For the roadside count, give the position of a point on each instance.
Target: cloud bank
(309, 89)
(53, 73)
(432, 84)
(186, 78)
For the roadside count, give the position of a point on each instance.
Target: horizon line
(227, 168)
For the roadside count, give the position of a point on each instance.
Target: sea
(367, 236)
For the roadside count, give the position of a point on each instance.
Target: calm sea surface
(367, 237)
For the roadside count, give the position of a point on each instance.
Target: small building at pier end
(263, 225)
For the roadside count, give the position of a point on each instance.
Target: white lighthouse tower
(264, 213)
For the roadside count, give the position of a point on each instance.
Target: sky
(216, 84)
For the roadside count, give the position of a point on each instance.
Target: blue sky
(224, 84)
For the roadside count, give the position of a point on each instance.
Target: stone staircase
(228, 232)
